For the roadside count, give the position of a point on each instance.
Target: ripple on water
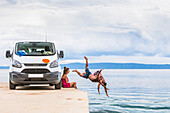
(141, 107)
(95, 103)
(105, 111)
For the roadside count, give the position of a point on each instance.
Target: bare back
(94, 78)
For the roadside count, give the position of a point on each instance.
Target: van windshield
(35, 48)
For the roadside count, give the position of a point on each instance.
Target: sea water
(130, 91)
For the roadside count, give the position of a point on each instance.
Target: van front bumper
(23, 78)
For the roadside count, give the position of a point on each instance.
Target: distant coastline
(117, 66)
(4, 67)
(111, 66)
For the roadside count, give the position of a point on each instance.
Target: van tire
(11, 85)
(58, 86)
(51, 85)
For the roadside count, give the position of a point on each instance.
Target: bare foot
(74, 70)
(85, 57)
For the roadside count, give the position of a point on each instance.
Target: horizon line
(104, 63)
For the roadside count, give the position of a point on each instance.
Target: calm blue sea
(131, 91)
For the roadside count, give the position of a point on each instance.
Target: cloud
(121, 59)
(93, 28)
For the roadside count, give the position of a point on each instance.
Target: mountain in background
(111, 66)
(117, 66)
(4, 67)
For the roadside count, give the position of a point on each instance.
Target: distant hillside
(4, 67)
(111, 66)
(117, 66)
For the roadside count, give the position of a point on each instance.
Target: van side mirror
(61, 55)
(8, 55)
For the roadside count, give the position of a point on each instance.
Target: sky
(118, 31)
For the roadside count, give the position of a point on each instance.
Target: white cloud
(121, 59)
(94, 28)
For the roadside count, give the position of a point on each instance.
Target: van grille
(35, 71)
(35, 64)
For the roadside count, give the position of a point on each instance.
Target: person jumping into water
(96, 77)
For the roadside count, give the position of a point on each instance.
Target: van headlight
(16, 64)
(54, 64)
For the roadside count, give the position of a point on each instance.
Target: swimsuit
(86, 75)
(65, 85)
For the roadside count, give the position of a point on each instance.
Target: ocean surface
(131, 91)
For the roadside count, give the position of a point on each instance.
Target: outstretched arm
(98, 88)
(99, 73)
(103, 85)
(106, 91)
(105, 88)
(66, 80)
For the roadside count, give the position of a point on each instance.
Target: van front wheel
(11, 85)
(58, 86)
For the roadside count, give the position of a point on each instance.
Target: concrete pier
(42, 99)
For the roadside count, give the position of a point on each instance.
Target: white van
(34, 63)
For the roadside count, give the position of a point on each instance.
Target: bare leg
(78, 72)
(73, 84)
(81, 74)
(86, 62)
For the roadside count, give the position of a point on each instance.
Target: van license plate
(35, 75)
